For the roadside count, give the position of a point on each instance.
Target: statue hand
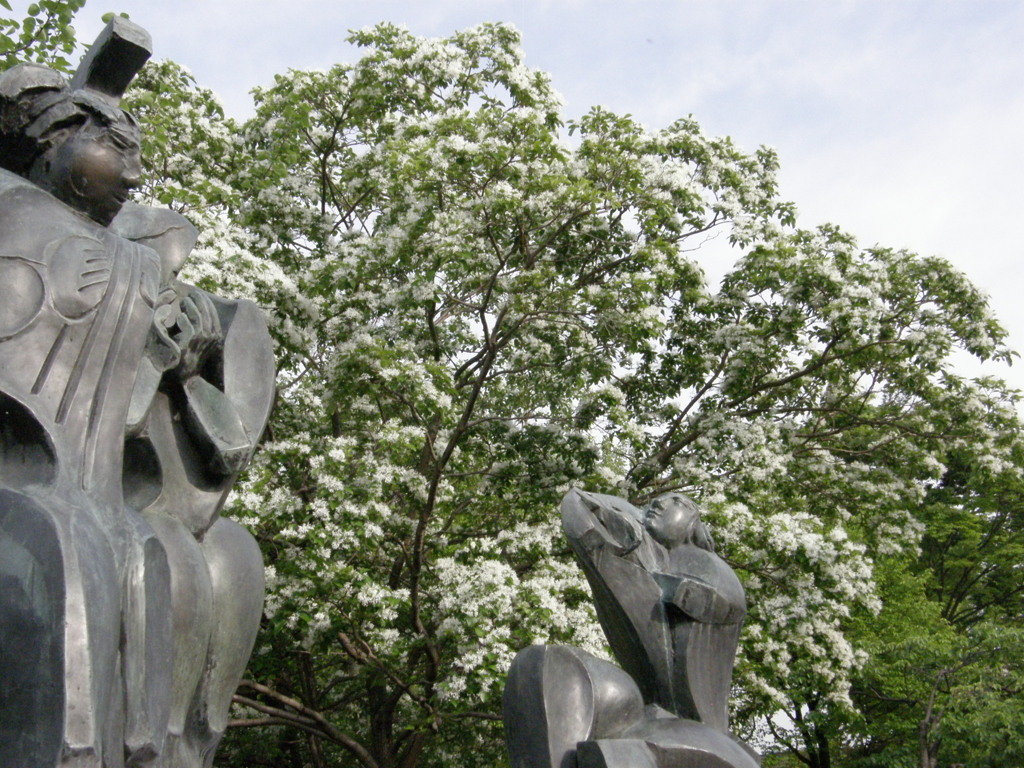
(162, 353)
(199, 333)
(79, 270)
(162, 350)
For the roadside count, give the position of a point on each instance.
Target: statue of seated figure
(129, 402)
(672, 612)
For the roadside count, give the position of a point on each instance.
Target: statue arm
(596, 521)
(217, 351)
(700, 600)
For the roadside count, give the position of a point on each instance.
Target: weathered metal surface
(672, 611)
(129, 401)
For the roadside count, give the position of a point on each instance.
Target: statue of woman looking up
(672, 612)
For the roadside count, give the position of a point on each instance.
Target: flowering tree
(44, 35)
(476, 306)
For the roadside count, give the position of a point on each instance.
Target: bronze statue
(129, 402)
(672, 612)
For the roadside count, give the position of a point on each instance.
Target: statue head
(74, 144)
(673, 519)
(72, 138)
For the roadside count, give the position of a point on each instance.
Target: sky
(899, 120)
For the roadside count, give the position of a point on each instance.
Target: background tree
(44, 35)
(476, 308)
(478, 304)
(944, 677)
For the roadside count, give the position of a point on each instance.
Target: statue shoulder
(18, 195)
(9, 181)
(166, 232)
(31, 219)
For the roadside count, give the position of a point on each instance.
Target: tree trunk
(929, 747)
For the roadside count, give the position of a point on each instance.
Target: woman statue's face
(94, 170)
(669, 519)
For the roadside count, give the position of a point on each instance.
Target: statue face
(94, 169)
(671, 518)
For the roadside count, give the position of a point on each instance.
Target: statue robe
(75, 317)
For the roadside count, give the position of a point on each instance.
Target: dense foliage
(477, 304)
(44, 35)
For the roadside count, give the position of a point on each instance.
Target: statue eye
(123, 140)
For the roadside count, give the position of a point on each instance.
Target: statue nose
(132, 176)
